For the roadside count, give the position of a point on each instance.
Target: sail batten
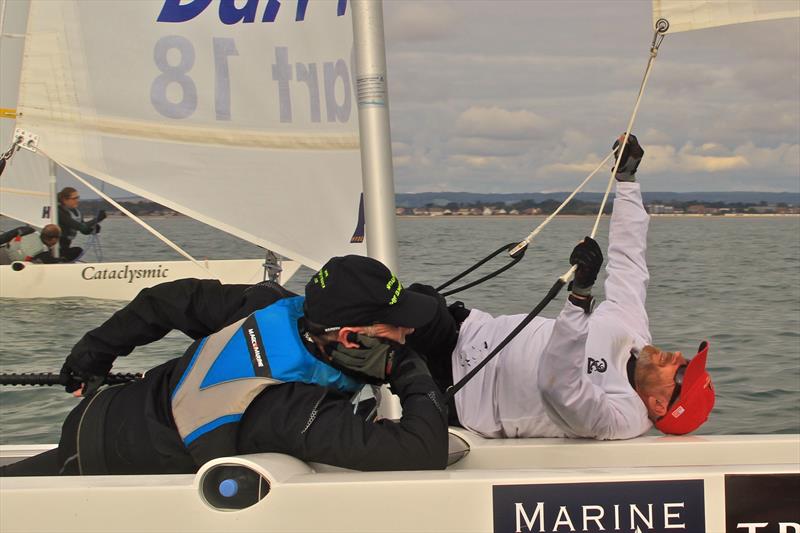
(689, 15)
(249, 127)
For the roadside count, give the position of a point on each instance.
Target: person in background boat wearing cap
(269, 371)
(27, 244)
(585, 374)
(70, 220)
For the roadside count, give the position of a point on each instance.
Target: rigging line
(515, 250)
(661, 28)
(527, 240)
(658, 37)
(136, 219)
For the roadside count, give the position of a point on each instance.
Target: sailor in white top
(585, 375)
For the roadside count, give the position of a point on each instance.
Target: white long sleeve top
(566, 377)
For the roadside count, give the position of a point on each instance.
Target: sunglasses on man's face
(678, 384)
(74, 198)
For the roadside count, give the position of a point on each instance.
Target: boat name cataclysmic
(93, 273)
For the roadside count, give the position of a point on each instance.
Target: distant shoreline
(655, 215)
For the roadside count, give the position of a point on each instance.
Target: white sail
(686, 15)
(240, 114)
(25, 182)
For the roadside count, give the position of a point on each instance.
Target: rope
(527, 240)
(552, 293)
(136, 219)
(658, 36)
(516, 258)
(660, 29)
(515, 250)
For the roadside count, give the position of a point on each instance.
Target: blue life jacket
(231, 367)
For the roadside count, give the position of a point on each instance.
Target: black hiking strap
(42, 379)
(552, 293)
(91, 433)
(515, 258)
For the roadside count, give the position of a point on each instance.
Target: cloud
(763, 168)
(420, 22)
(529, 95)
(689, 158)
(582, 168)
(499, 123)
(474, 160)
(485, 146)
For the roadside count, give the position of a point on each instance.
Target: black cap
(358, 291)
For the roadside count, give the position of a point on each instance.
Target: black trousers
(59, 461)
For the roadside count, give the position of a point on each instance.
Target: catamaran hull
(123, 280)
(690, 484)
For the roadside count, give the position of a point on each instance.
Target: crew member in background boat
(269, 371)
(26, 244)
(71, 222)
(584, 374)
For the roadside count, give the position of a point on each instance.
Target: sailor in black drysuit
(198, 407)
(71, 221)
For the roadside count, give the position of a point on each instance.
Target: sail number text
(174, 93)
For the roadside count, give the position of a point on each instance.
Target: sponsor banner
(641, 506)
(762, 503)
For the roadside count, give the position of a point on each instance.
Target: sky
(521, 96)
(528, 95)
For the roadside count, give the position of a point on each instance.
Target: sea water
(734, 281)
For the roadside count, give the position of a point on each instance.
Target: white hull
(123, 280)
(463, 498)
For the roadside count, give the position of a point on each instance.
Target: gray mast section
(376, 149)
(373, 124)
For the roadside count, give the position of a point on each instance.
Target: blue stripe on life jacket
(214, 424)
(282, 350)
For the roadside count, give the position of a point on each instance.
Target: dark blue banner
(650, 506)
(762, 503)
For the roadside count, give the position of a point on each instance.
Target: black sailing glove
(101, 215)
(588, 258)
(371, 362)
(631, 157)
(409, 369)
(436, 339)
(84, 370)
(427, 290)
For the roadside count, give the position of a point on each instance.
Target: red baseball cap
(696, 399)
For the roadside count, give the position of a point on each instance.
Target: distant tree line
(546, 207)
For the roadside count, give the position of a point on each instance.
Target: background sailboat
(223, 128)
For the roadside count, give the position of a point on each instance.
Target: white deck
(307, 497)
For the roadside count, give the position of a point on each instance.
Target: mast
(376, 148)
(376, 141)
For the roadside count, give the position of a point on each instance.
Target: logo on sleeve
(596, 365)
